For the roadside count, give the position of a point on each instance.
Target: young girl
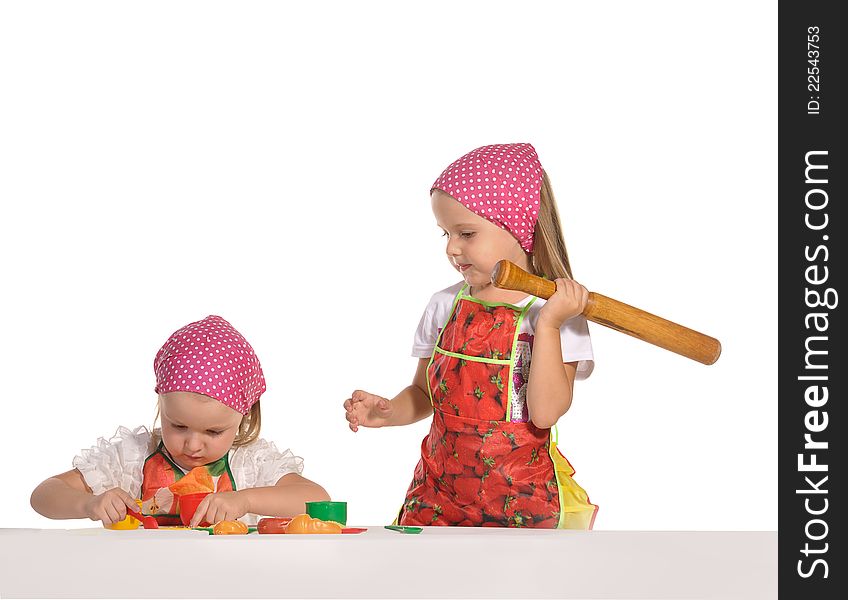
(496, 368)
(209, 381)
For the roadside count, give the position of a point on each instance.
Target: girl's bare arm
(413, 402)
(551, 383)
(62, 496)
(285, 499)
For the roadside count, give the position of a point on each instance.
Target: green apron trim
(439, 339)
(230, 473)
(507, 304)
(493, 361)
(522, 312)
(514, 359)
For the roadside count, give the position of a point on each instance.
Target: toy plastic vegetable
(273, 524)
(306, 524)
(229, 528)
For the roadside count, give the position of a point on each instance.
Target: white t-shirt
(118, 462)
(574, 333)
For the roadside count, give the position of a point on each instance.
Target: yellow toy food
(306, 524)
(129, 521)
(229, 528)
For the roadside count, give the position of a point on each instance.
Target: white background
(270, 163)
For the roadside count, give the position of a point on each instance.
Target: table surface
(440, 562)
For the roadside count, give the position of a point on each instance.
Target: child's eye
(444, 234)
(466, 234)
(178, 426)
(213, 433)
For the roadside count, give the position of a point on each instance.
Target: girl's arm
(66, 496)
(62, 496)
(285, 499)
(550, 382)
(410, 405)
(413, 402)
(288, 497)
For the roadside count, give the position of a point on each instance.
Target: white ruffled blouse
(118, 462)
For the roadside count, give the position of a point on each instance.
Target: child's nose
(193, 443)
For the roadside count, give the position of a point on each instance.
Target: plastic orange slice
(305, 524)
(196, 481)
(229, 528)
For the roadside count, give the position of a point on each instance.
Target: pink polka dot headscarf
(210, 357)
(501, 183)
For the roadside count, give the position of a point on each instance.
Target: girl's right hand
(110, 506)
(367, 410)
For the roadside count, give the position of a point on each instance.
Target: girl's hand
(221, 506)
(568, 301)
(367, 410)
(110, 506)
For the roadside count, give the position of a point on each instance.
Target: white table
(437, 563)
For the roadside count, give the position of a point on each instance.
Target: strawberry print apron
(483, 463)
(160, 472)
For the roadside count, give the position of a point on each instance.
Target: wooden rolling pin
(617, 315)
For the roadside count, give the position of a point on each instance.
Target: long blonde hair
(248, 429)
(549, 257)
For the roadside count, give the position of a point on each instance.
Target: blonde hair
(248, 429)
(549, 257)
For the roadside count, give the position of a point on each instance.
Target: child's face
(474, 244)
(196, 429)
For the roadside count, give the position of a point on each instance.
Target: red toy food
(272, 524)
(188, 506)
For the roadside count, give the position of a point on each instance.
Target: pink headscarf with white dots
(501, 183)
(210, 357)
